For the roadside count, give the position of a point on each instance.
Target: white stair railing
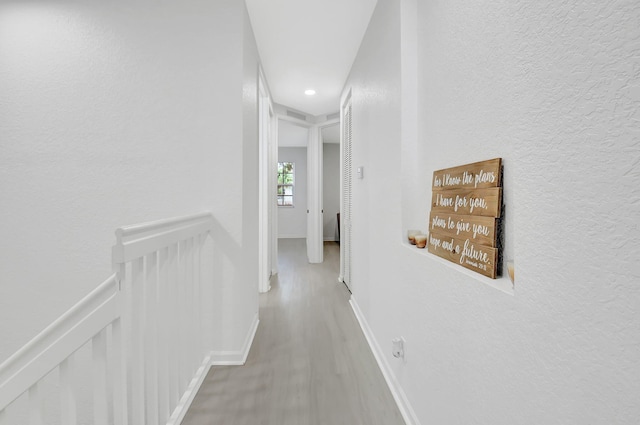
(160, 266)
(54, 348)
(146, 326)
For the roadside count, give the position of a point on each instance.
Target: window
(285, 184)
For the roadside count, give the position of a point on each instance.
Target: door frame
(315, 223)
(266, 196)
(315, 238)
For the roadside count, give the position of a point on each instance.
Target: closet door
(347, 177)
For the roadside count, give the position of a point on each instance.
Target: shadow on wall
(229, 274)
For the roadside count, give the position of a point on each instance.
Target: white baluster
(174, 327)
(181, 316)
(137, 354)
(99, 350)
(36, 405)
(207, 299)
(119, 374)
(68, 412)
(151, 339)
(126, 341)
(190, 328)
(163, 337)
(197, 300)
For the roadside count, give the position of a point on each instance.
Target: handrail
(141, 239)
(42, 354)
(126, 231)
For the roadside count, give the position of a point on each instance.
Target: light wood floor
(309, 364)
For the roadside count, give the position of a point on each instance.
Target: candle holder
(421, 241)
(411, 235)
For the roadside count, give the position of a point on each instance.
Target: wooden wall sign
(466, 206)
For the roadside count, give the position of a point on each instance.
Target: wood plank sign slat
(466, 205)
(467, 253)
(480, 229)
(483, 202)
(478, 175)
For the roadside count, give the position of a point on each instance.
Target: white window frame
(292, 185)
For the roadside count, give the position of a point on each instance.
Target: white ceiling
(308, 44)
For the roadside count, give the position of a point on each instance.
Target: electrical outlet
(397, 347)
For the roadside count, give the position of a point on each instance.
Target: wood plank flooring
(309, 364)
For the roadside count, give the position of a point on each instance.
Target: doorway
(292, 185)
(331, 182)
(301, 134)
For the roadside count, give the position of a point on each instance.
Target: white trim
(187, 398)
(315, 252)
(265, 194)
(330, 239)
(407, 412)
(292, 236)
(236, 358)
(273, 187)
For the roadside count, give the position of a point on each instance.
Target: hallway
(309, 363)
(138, 178)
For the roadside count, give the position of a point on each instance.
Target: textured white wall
(113, 114)
(330, 189)
(292, 221)
(552, 87)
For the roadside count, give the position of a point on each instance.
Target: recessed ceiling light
(310, 92)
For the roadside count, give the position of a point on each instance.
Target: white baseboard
(187, 398)
(235, 358)
(330, 239)
(292, 236)
(399, 396)
(215, 358)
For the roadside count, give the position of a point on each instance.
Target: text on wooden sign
(470, 176)
(484, 202)
(480, 229)
(466, 252)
